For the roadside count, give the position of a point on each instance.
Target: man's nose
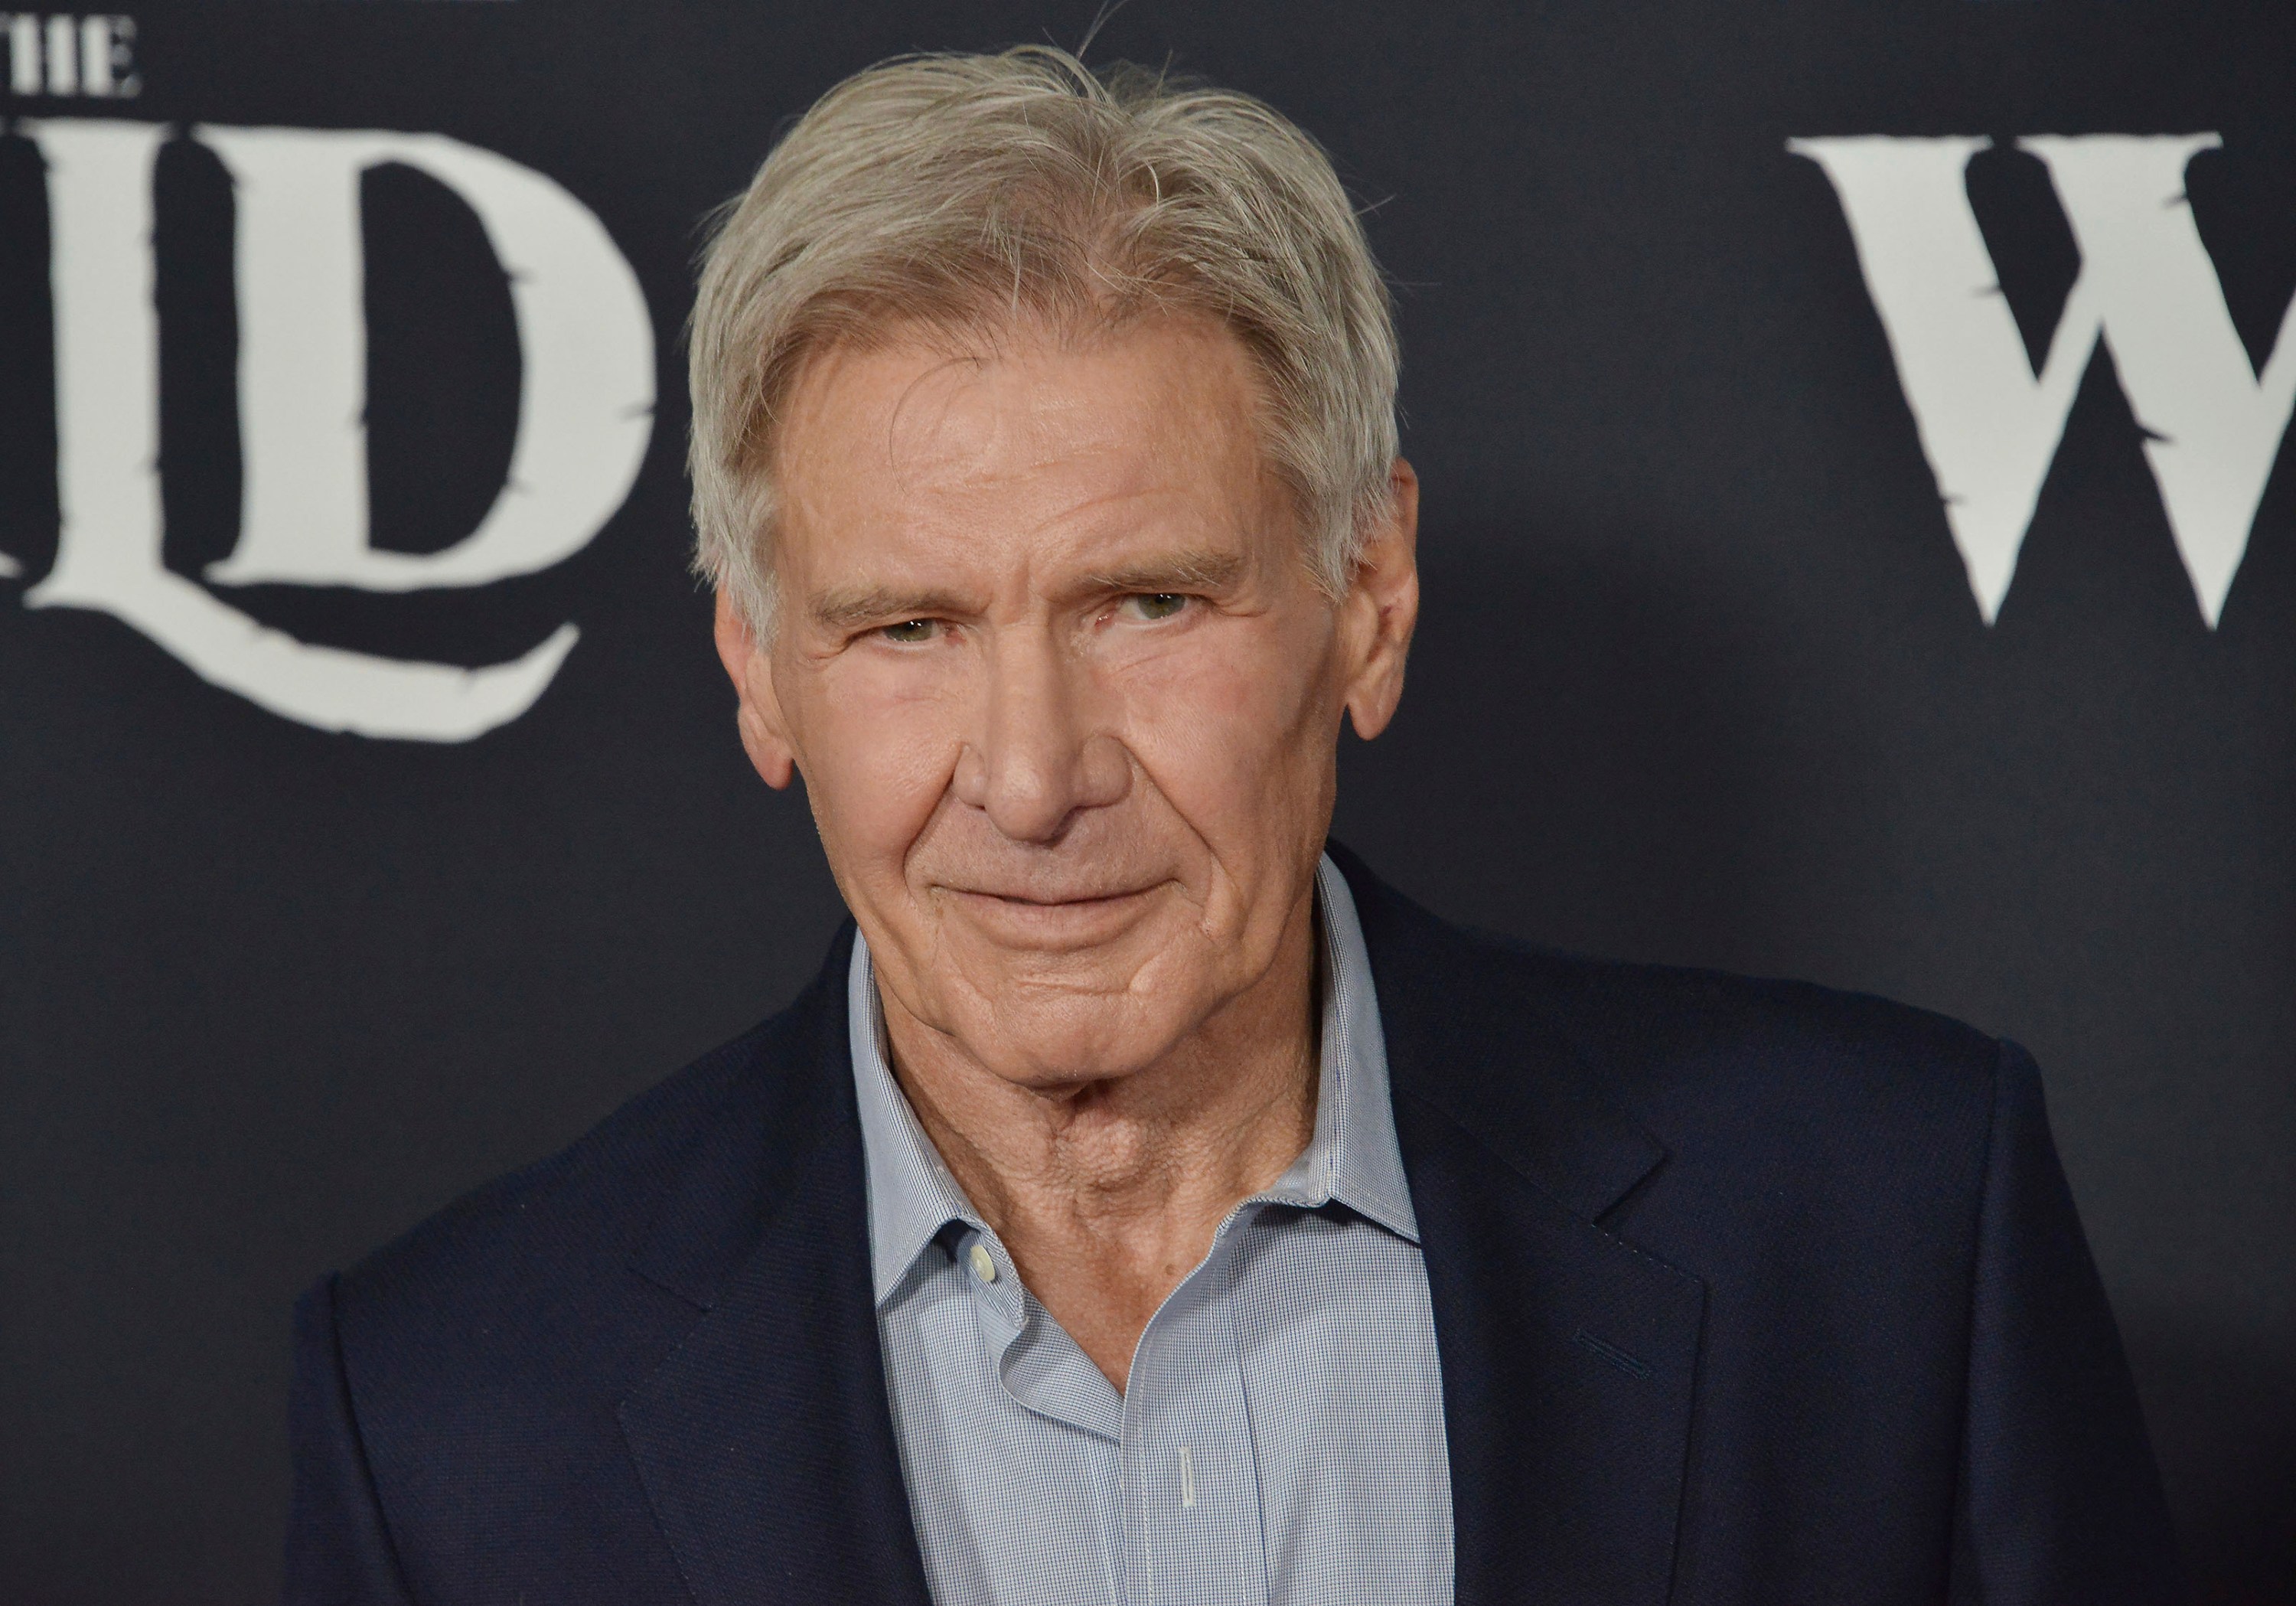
(1037, 755)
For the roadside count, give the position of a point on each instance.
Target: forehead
(932, 438)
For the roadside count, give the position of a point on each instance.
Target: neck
(1107, 1192)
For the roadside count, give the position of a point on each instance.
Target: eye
(910, 632)
(1157, 604)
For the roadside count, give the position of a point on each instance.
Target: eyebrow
(1180, 571)
(839, 610)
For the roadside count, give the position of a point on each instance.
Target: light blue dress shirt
(1281, 1440)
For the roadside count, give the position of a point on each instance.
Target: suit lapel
(1568, 1355)
(1567, 1360)
(765, 1441)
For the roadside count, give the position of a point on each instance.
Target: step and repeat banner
(1859, 544)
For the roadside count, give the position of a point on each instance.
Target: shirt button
(983, 1265)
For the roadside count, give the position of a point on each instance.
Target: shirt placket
(1054, 1380)
(1191, 1476)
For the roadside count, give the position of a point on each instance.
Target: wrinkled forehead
(971, 344)
(1027, 434)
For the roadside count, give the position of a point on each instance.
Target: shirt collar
(912, 1196)
(1353, 1158)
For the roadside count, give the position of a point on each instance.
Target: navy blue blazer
(1745, 1292)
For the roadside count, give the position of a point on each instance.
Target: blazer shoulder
(535, 1239)
(1819, 1092)
(1660, 1015)
(1688, 1053)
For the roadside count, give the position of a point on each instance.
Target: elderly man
(1146, 1204)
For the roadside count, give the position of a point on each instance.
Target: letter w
(1988, 423)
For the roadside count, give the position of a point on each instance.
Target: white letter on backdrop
(2212, 424)
(584, 419)
(1988, 423)
(586, 399)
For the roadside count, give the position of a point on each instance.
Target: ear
(1384, 600)
(764, 734)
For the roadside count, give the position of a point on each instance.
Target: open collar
(1352, 1158)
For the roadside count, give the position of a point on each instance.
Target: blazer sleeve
(2060, 1503)
(339, 1549)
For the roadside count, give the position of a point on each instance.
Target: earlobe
(764, 736)
(1387, 591)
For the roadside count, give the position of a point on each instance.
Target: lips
(1053, 900)
(1066, 923)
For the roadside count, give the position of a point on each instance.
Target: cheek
(1229, 726)
(876, 742)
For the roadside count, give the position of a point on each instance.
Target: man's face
(1064, 697)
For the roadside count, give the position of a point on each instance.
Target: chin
(1063, 1046)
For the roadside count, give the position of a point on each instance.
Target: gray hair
(961, 191)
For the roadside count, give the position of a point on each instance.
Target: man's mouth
(1061, 920)
(1038, 900)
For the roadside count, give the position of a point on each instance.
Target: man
(1144, 1204)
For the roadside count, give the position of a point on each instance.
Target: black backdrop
(1703, 677)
